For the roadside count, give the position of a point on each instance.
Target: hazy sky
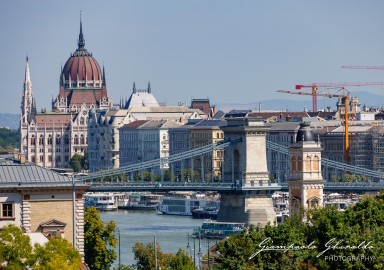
(230, 51)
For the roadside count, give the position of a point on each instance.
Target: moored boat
(217, 230)
(104, 201)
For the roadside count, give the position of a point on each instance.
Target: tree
(16, 252)
(75, 163)
(9, 139)
(181, 261)
(145, 256)
(15, 248)
(57, 254)
(100, 240)
(84, 161)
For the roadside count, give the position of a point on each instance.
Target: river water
(142, 226)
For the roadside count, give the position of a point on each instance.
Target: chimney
(21, 158)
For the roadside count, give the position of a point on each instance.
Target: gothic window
(308, 163)
(33, 140)
(217, 135)
(49, 140)
(82, 139)
(82, 121)
(76, 140)
(58, 159)
(293, 164)
(41, 158)
(50, 158)
(58, 139)
(41, 140)
(66, 139)
(299, 164)
(316, 163)
(313, 202)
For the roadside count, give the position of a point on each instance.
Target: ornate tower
(27, 102)
(305, 182)
(28, 107)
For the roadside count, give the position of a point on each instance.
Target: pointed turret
(81, 41)
(104, 81)
(134, 87)
(27, 100)
(149, 87)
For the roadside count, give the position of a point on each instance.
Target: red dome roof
(81, 68)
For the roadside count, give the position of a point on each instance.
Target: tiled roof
(211, 123)
(135, 124)
(83, 96)
(14, 174)
(52, 119)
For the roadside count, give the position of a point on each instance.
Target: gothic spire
(104, 81)
(27, 78)
(81, 41)
(134, 87)
(149, 87)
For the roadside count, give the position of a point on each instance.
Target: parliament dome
(81, 69)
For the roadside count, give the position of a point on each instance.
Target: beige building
(39, 200)
(305, 182)
(204, 133)
(103, 126)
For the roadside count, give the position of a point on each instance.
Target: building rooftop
(15, 174)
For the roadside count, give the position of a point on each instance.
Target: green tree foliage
(57, 254)
(15, 248)
(9, 139)
(181, 261)
(16, 252)
(100, 240)
(79, 162)
(148, 176)
(125, 267)
(359, 230)
(75, 162)
(145, 258)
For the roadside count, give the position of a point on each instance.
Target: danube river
(142, 226)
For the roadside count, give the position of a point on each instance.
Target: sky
(228, 51)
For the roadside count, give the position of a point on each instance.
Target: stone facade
(305, 182)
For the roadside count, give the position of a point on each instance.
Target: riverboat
(102, 201)
(184, 205)
(140, 201)
(217, 230)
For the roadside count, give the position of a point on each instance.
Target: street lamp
(118, 231)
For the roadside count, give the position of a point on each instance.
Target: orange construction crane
(315, 86)
(362, 67)
(345, 99)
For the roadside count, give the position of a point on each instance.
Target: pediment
(53, 223)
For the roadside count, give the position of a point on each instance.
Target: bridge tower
(305, 182)
(245, 164)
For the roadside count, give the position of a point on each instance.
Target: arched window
(316, 163)
(66, 139)
(58, 139)
(307, 163)
(299, 164)
(82, 121)
(82, 139)
(33, 140)
(41, 140)
(49, 140)
(76, 140)
(293, 164)
(41, 158)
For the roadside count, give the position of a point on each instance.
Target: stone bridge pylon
(245, 164)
